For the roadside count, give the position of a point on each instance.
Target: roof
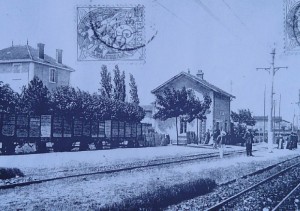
(197, 79)
(276, 118)
(26, 53)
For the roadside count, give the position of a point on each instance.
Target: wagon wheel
(8, 147)
(56, 146)
(67, 145)
(98, 144)
(84, 144)
(41, 147)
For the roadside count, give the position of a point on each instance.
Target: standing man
(221, 142)
(216, 134)
(249, 140)
(207, 137)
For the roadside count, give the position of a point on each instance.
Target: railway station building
(218, 115)
(19, 64)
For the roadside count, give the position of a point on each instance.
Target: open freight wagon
(65, 134)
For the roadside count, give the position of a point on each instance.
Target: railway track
(152, 163)
(234, 202)
(290, 201)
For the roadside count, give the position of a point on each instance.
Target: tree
(8, 98)
(106, 86)
(174, 103)
(69, 101)
(242, 119)
(35, 99)
(134, 98)
(243, 116)
(123, 85)
(119, 85)
(196, 108)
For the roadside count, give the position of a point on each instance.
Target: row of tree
(117, 90)
(36, 99)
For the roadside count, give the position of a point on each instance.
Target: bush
(162, 197)
(8, 173)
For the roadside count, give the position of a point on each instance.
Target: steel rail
(222, 203)
(152, 163)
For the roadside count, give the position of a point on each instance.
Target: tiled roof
(276, 118)
(197, 79)
(26, 52)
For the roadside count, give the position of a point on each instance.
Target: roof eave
(187, 74)
(34, 61)
(15, 61)
(168, 81)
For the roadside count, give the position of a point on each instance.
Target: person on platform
(295, 140)
(207, 137)
(221, 138)
(289, 141)
(221, 141)
(249, 140)
(280, 142)
(215, 138)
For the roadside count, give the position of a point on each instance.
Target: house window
(53, 75)
(183, 125)
(16, 67)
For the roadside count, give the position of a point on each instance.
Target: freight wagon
(64, 133)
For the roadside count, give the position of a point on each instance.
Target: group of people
(219, 139)
(291, 141)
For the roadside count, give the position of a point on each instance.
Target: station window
(183, 126)
(16, 67)
(53, 75)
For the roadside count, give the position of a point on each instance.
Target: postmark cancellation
(292, 26)
(106, 33)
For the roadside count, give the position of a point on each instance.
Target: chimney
(41, 47)
(200, 74)
(59, 56)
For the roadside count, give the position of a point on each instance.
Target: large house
(218, 115)
(19, 64)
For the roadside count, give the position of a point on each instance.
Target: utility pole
(274, 121)
(272, 71)
(264, 137)
(279, 115)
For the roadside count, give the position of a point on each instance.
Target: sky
(226, 39)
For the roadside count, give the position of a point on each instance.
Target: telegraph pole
(264, 137)
(272, 71)
(279, 115)
(274, 120)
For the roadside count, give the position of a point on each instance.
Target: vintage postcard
(150, 105)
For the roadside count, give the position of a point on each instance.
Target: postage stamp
(107, 33)
(292, 26)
